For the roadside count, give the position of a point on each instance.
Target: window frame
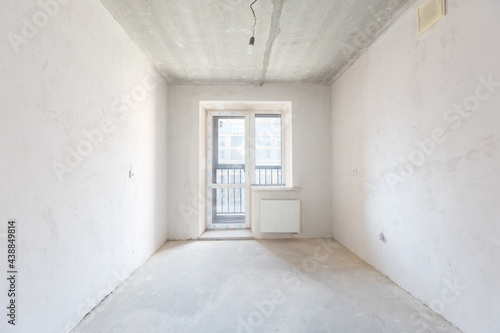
(211, 109)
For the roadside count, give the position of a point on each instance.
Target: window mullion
(250, 148)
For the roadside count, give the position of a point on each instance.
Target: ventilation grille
(429, 13)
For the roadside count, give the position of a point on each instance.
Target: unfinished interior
(348, 165)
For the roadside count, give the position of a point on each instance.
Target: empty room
(250, 166)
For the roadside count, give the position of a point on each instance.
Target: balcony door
(243, 148)
(229, 184)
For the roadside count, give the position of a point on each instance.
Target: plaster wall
(418, 117)
(311, 153)
(68, 140)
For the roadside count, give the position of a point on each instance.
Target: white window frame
(208, 111)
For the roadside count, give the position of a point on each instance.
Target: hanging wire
(254, 17)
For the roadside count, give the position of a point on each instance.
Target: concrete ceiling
(297, 41)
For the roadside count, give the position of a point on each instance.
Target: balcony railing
(229, 203)
(268, 175)
(229, 176)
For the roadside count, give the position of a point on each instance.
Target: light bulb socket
(252, 41)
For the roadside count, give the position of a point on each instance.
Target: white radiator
(280, 216)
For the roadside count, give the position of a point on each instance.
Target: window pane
(231, 138)
(268, 149)
(268, 140)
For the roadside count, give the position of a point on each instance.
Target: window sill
(273, 188)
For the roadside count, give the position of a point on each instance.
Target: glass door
(228, 172)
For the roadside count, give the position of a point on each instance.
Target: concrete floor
(260, 286)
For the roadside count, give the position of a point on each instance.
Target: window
(237, 141)
(268, 149)
(237, 128)
(244, 148)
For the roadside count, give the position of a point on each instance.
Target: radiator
(280, 216)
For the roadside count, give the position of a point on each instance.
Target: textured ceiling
(297, 41)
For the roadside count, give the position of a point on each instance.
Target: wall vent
(429, 13)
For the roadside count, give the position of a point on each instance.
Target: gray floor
(260, 286)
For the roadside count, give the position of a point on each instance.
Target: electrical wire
(254, 17)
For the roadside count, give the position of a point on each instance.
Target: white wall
(80, 234)
(441, 220)
(311, 152)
